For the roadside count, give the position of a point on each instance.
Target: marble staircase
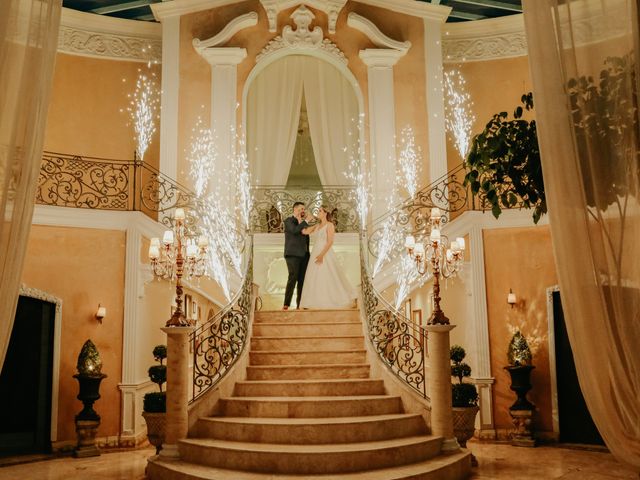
(309, 409)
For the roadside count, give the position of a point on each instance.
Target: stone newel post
(177, 388)
(440, 385)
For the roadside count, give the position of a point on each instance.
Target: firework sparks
(410, 162)
(389, 238)
(143, 109)
(459, 118)
(407, 274)
(358, 173)
(244, 195)
(202, 157)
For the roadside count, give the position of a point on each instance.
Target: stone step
(311, 431)
(307, 329)
(309, 459)
(310, 407)
(306, 316)
(456, 466)
(307, 372)
(324, 357)
(309, 388)
(307, 344)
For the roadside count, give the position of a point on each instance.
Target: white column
(382, 124)
(169, 99)
(435, 99)
(480, 358)
(224, 66)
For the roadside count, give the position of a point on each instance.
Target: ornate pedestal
(88, 420)
(522, 410)
(86, 431)
(522, 435)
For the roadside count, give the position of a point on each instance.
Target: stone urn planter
(464, 423)
(521, 384)
(156, 427)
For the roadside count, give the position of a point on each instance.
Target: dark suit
(296, 254)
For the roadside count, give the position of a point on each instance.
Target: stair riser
(307, 373)
(307, 330)
(307, 344)
(238, 407)
(311, 434)
(311, 462)
(328, 389)
(306, 358)
(307, 317)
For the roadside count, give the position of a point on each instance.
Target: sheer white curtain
(583, 56)
(332, 108)
(273, 113)
(28, 40)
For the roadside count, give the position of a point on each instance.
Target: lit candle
(167, 238)
(449, 255)
(419, 249)
(435, 235)
(455, 247)
(155, 242)
(203, 241)
(154, 252)
(410, 242)
(192, 250)
(179, 214)
(435, 213)
(461, 244)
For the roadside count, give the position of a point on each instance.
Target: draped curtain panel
(332, 108)
(273, 114)
(583, 56)
(28, 40)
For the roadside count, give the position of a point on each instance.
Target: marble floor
(496, 462)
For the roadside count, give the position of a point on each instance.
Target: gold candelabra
(178, 256)
(443, 259)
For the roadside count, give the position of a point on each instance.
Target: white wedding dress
(325, 284)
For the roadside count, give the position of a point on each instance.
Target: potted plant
(155, 403)
(519, 358)
(464, 397)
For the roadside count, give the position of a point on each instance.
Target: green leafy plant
(503, 164)
(156, 402)
(519, 352)
(462, 394)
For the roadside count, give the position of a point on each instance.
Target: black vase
(89, 393)
(521, 384)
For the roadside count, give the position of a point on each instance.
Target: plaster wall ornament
(234, 26)
(41, 295)
(331, 7)
(374, 34)
(484, 48)
(302, 38)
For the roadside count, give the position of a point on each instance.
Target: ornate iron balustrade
(218, 344)
(400, 343)
(449, 193)
(273, 204)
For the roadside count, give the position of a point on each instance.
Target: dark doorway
(576, 424)
(26, 378)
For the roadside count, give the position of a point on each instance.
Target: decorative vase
(521, 384)
(464, 423)
(156, 427)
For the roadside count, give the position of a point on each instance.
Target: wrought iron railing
(273, 204)
(218, 344)
(400, 343)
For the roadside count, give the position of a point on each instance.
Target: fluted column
(440, 385)
(177, 388)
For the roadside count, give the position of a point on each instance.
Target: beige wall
(85, 116)
(83, 267)
(195, 74)
(521, 259)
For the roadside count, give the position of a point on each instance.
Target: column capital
(381, 57)
(439, 328)
(176, 331)
(223, 55)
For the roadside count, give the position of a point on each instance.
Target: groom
(296, 252)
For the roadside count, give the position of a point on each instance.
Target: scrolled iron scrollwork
(218, 344)
(73, 181)
(399, 342)
(272, 205)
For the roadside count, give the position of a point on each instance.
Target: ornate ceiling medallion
(302, 37)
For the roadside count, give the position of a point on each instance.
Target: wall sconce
(511, 298)
(101, 313)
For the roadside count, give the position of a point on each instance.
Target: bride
(325, 285)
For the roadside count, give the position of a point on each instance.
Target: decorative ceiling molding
(331, 7)
(99, 36)
(234, 26)
(482, 40)
(302, 38)
(378, 38)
